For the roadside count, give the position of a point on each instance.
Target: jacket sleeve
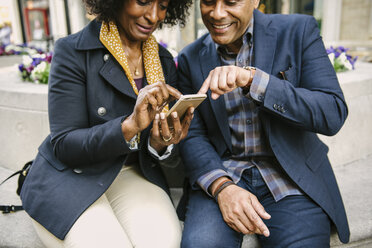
(199, 155)
(315, 103)
(75, 142)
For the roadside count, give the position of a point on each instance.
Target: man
(252, 156)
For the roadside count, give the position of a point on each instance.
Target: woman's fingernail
(157, 117)
(192, 110)
(266, 233)
(174, 114)
(162, 116)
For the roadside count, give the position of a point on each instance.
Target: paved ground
(16, 230)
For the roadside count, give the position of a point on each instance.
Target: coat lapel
(111, 70)
(114, 74)
(264, 42)
(209, 60)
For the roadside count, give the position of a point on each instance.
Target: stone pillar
(188, 32)
(356, 20)
(57, 19)
(77, 15)
(331, 20)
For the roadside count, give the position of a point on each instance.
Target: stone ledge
(23, 107)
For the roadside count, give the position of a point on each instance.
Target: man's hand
(224, 79)
(242, 211)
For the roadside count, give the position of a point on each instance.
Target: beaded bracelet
(224, 185)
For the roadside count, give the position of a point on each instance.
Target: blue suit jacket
(85, 151)
(309, 101)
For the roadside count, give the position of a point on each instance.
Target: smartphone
(181, 106)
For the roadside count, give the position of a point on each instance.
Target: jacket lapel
(264, 42)
(114, 74)
(111, 70)
(209, 60)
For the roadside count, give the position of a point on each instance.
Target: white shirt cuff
(133, 143)
(166, 154)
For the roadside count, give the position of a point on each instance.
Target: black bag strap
(6, 209)
(15, 173)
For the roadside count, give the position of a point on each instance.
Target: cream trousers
(132, 213)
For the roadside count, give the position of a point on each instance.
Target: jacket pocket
(47, 153)
(289, 74)
(317, 157)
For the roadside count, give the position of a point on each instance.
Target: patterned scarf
(110, 38)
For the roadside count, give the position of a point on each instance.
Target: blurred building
(41, 22)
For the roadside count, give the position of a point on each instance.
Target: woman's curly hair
(109, 10)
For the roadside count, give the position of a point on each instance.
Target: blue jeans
(296, 221)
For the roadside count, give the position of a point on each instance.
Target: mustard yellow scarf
(110, 38)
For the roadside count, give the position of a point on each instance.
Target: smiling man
(253, 160)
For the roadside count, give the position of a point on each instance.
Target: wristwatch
(252, 70)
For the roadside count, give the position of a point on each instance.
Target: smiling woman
(97, 180)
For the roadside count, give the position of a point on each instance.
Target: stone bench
(354, 181)
(24, 124)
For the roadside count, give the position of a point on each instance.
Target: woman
(97, 181)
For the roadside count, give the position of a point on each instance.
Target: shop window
(36, 22)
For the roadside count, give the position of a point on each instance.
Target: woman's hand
(150, 101)
(163, 136)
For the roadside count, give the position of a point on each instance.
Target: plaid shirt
(249, 147)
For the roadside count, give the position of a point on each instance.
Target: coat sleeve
(197, 151)
(316, 103)
(75, 142)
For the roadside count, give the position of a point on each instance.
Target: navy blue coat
(86, 149)
(309, 101)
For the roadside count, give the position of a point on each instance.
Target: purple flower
(340, 59)
(36, 61)
(330, 50)
(165, 45)
(29, 69)
(48, 57)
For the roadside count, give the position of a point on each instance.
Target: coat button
(101, 111)
(275, 106)
(78, 171)
(106, 57)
